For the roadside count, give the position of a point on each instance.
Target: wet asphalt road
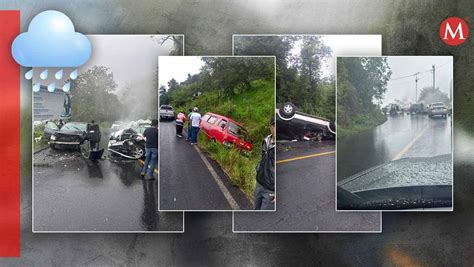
(399, 137)
(306, 195)
(186, 183)
(74, 194)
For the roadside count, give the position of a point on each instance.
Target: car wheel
(287, 111)
(138, 152)
(52, 146)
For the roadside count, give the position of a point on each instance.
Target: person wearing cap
(195, 120)
(265, 179)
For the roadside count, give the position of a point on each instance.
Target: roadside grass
(360, 123)
(38, 138)
(252, 108)
(239, 168)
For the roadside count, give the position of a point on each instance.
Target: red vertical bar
(9, 137)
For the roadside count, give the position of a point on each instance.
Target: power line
(418, 73)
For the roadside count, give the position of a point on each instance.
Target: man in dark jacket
(265, 184)
(151, 150)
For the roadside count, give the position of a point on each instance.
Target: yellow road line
(143, 163)
(409, 145)
(305, 157)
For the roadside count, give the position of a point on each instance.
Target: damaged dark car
(127, 143)
(71, 135)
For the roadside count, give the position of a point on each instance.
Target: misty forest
(94, 93)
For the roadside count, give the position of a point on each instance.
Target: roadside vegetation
(362, 82)
(299, 78)
(239, 88)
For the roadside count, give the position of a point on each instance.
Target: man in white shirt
(195, 120)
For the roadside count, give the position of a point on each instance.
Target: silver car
(437, 109)
(166, 112)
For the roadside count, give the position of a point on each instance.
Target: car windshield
(239, 131)
(74, 126)
(166, 108)
(52, 125)
(402, 156)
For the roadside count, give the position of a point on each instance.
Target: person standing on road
(180, 120)
(151, 150)
(188, 138)
(195, 120)
(265, 180)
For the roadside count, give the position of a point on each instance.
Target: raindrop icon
(44, 74)
(74, 74)
(29, 74)
(59, 75)
(51, 87)
(36, 87)
(66, 87)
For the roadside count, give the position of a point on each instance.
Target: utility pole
(434, 70)
(416, 87)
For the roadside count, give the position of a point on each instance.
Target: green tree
(93, 95)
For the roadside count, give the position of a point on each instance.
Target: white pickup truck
(166, 112)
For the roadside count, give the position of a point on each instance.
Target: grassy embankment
(253, 109)
(359, 123)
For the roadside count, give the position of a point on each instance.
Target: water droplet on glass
(44, 74)
(59, 74)
(74, 74)
(51, 87)
(36, 87)
(29, 74)
(66, 87)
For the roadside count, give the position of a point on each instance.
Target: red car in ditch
(225, 131)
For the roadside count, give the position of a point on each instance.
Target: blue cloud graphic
(51, 41)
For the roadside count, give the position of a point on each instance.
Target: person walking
(265, 180)
(151, 150)
(195, 120)
(180, 120)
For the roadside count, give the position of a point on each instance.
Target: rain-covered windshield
(408, 143)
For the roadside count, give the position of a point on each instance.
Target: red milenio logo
(454, 31)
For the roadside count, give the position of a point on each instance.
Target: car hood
(69, 132)
(406, 172)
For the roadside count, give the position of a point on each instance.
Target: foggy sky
(131, 58)
(404, 89)
(177, 68)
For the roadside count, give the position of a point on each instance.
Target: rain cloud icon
(51, 41)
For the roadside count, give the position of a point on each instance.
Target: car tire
(52, 146)
(287, 111)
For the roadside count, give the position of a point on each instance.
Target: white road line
(407, 147)
(233, 204)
